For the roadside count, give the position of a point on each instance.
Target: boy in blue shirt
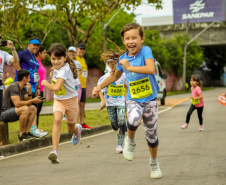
(138, 64)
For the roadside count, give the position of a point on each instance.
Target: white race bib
(84, 73)
(36, 77)
(1, 75)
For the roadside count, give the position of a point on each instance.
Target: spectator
(17, 105)
(5, 57)
(8, 81)
(81, 49)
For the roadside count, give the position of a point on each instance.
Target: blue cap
(34, 41)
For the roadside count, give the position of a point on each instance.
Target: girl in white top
(112, 96)
(65, 96)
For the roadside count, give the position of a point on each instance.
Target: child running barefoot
(65, 96)
(112, 96)
(196, 102)
(138, 64)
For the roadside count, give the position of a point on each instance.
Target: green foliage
(170, 52)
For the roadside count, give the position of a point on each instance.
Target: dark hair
(41, 49)
(21, 74)
(59, 50)
(197, 79)
(131, 26)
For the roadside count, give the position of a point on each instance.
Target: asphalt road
(186, 157)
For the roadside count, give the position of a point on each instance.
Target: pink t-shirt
(42, 74)
(196, 93)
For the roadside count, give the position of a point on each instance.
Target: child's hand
(96, 90)
(124, 63)
(102, 106)
(191, 97)
(44, 82)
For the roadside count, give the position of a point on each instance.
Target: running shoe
(119, 149)
(53, 157)
(201, 127)
(23, 137)
(184, 126)
(76, 138)
(30, 136)
(39, 133)
(86, 126)
(128, 151)
(155, 171)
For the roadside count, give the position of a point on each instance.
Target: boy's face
(132, 40)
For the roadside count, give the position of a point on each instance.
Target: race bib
(84, 73)
(195, 102)
(62, 89)
(115, 90)
(140, 88)
(36, 77)
(1, 75)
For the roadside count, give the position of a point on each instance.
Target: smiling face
(80, 52)
(193, 83)
(57, 62)
(71, 54)
(133, 41)
(33, 48)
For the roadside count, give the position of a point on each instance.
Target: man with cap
(28, 61)
(81, 49)
(6, 58)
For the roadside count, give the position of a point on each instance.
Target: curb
(20, 147)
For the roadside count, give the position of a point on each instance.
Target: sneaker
(53, 157)
(76, 138)
(22, 138)
(119, 149)
(64, 118)
(184, 126)
(30, 136)
(201, 127)
(155, 171)
(39, 133)
(86, 126)
(128, 151)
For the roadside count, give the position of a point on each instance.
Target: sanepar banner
(198, 11)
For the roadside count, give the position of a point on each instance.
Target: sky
(146, 10)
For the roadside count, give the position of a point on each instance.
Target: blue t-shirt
(29, 62)
(139, 60)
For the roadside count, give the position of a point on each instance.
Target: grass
(184, 92)
(46, 123)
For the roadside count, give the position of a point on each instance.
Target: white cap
(72, 48)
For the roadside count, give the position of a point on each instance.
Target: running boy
(112, 96)
(138, 64)
(65, 96)
(196, 102)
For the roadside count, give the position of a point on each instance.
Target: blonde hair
(196, 78)
(59, 50)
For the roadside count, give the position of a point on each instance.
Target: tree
(70, 13)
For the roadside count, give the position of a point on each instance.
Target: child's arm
(149, 68)
(103, 105)
(197, 98)
(109, 80)
(53, 87)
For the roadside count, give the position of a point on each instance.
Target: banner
(198, 11)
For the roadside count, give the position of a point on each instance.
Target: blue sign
(198, 11)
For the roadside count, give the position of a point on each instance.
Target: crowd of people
(129, 88)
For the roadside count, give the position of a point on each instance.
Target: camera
(3, 43)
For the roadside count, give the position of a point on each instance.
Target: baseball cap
(34, 41)
(81, 46)
(72, 48)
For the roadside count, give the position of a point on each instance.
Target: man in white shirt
(5, 57)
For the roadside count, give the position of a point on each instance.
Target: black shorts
(9, 115)
(83, 96)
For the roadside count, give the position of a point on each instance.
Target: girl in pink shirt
(196, 102)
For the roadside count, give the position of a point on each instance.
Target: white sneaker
(53, 157)
(128, 151)
(155, 171)
(119, 149)
(40, 133)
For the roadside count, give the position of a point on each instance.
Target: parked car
(160, 77)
